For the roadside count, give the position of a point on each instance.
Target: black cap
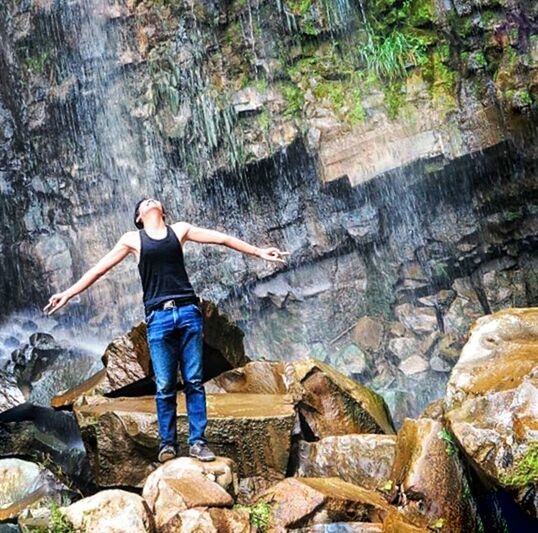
(139, 224)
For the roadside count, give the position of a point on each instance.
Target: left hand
(272, 254)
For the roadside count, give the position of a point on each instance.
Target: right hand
(56, 301)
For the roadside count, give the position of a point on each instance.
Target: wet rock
(429, 480)
(302, 502)
(47, 437)
(114, 511)
(185, 482)
(122, 439)
(418, 319)
(368, 333)
(492, 398)
(331, 403)
(404, 347)
(10, 394)
(439, 365)
(351, 359)
(463, 311)
(364, 460)
(413, 365)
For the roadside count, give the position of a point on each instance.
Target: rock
(368, 333)
(47, 437)
(364, 460)
(10, 394)
(439, 365)
(396, 523)
(113, 511)
(492, 399)
(330, 402)
(260, 377)
(302, 502)
(413, 365)
(185, 482)
(435, 410)
(25, 484)
(122, 440)
(463, 311)
(429, 480)
(351, 359)
(247, 100)
(418, 319)
(212, 520)
(404, 347)
(361, 224)
(334, 404)
(341, 527)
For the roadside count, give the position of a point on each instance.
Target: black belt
(172, 303)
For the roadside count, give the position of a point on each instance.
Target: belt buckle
(169, 304)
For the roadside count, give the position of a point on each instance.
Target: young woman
(173, 317)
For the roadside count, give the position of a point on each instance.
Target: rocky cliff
(388, 145)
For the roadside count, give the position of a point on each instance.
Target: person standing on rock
(172, 313)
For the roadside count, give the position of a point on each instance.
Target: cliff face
(389, 146)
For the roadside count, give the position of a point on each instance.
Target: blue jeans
(175, 335)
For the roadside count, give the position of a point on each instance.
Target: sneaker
(201, 451)
(167, 452)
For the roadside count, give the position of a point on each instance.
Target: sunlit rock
(492, 401)
(185, 483)
(301, 502)
(25, 484)
(113, 511)
(121, 436)
(364, 460)
(330, 403)
(210, 520)
(429, 482)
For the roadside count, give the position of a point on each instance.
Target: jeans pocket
(150, 316)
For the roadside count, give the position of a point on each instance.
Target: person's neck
(154, 224)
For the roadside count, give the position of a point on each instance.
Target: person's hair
(140, 224)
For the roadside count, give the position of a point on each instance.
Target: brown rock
(364, 460)
(122, 440)
(396, 523)
(334, 404)
(418, 319)
(429, 479)
(368, 333)
(260, 377)
(301, 502)
(492, 399)
(212, 520)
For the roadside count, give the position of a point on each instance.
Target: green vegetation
(525, 471)
(387, 486)
(36, 63)
(294, 99)
(451, 448)
(259, 515)
(58, 522)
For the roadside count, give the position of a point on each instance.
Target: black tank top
(162, 270)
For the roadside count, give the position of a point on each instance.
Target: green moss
(260, 514)
(264, 120)
(294, 99)
(58, 522)
(298, 7)
(451, 448)
(36, 63)
(525, 471)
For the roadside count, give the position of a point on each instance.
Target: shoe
(168, 452)
(201, 451)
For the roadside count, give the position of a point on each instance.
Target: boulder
(368, 333)
(364, 460)
(210, 520)
(10, 394)
(113, 511)
(25, 484)
(492, 401)
(329, 402)
(122, 439)
(303, 502)
(185, 482)
(429, 482)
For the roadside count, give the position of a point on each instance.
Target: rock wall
(390, 150)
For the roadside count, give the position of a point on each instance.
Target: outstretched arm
(209, 236)
(112, 258)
